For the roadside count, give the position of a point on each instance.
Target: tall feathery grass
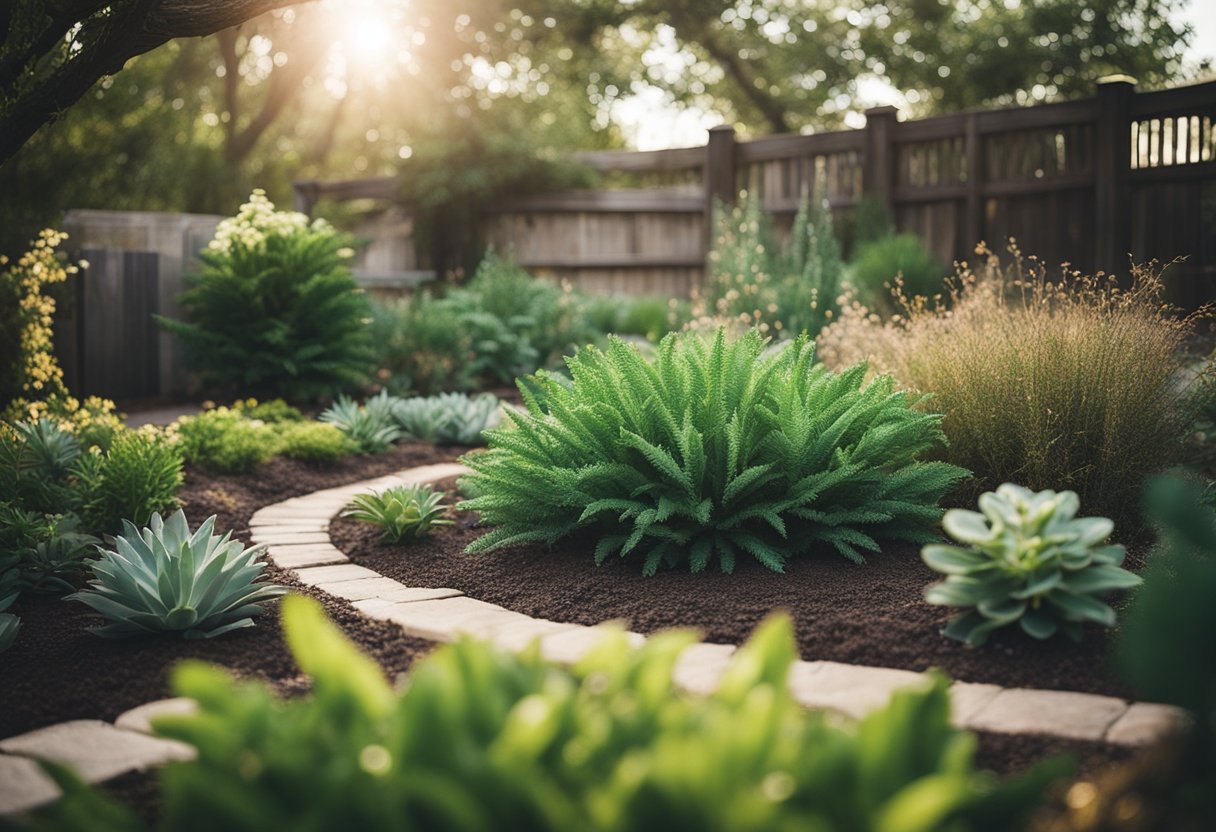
(1066, 384)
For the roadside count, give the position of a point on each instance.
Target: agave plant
(164, 578)
(370, 427)
(1030, 561)
(448, 418)
(404, 513)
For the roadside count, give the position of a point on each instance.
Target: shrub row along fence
(1087, 181)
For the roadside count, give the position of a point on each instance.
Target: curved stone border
(296, 532)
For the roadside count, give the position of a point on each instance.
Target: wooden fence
(1089, 182)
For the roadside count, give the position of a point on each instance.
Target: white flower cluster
(257, 220)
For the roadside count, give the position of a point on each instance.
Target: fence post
(973, 222)
(1112, 163)
(878, 165)
(718, 175)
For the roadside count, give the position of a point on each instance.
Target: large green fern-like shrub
(711, 450)
(275, 310)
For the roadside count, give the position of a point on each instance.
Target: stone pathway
(296, 532)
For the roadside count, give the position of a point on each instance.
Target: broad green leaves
(712, 449)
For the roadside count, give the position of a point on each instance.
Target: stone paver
(967, 699)
(283, 537)
(1081, 716)
(403, 595)
(140, 719)
(1144, 723)
(361, 589)
(699, 667)
(851, 690)
(23, 785)
(567, 648)
(317, 575)
(519, 635)
(447, 619)
(304, 555)
(96, 750)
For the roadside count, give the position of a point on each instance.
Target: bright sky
(652, 123)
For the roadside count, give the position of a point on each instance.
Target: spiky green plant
(371, 427)
(403, 513)
(1030, 560)
(710, 450)
(137, 477)
(448, 418)
(163, 578)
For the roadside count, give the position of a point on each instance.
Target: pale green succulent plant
(163, 578)
(404, 513)
(448, 418)
(1031, 561)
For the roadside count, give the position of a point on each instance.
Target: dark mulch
(872, 614)
(58, 671)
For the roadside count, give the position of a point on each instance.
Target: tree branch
(110, 37)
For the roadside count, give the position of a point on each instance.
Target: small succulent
(371, 427)
(48, 449)
(164, 578)
(9, 625)
(1030, 560)
(404, 513)
(448, 418)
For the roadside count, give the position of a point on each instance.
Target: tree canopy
(458, 90)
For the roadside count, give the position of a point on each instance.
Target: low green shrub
(45, 553)
(370, 428)
(166, 579)
(1029, 561)
(403, 513)
(314, 442)
(139, 476)
(1069, 384)
(224, 440)
(273, 411)
(711, 450)
(421, 345)
(483, 739)
(898, 261)
(448, 418)
(274, 309)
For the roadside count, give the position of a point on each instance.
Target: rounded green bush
(711, 449)
(314, 442)
(880, 262)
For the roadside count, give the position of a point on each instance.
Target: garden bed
(871, 615)
(58, 671)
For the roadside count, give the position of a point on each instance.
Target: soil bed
(58, 671)
(871, 615)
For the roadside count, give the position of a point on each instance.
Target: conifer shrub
(275, 309)
(709, 451)
(1069, 384)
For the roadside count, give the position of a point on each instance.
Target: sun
(367, 34)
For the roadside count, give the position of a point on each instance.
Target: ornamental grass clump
(709, 451)
(1030, 561)
(1052, 384)
(165, 579)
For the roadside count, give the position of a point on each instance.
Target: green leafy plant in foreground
(404, 513)
(1029, 560)
(711, 449)
(448, 418)
(482, 739)
(163, 578)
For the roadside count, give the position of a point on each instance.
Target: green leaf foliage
(224, 440)
(138, 477)
(371, 428)
(482, 739)
(403, 513)
(1027, 559)
(711, 451)
(314, 442)
(165, 578)
(903, 257)
(447, 418)
(275, 310)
